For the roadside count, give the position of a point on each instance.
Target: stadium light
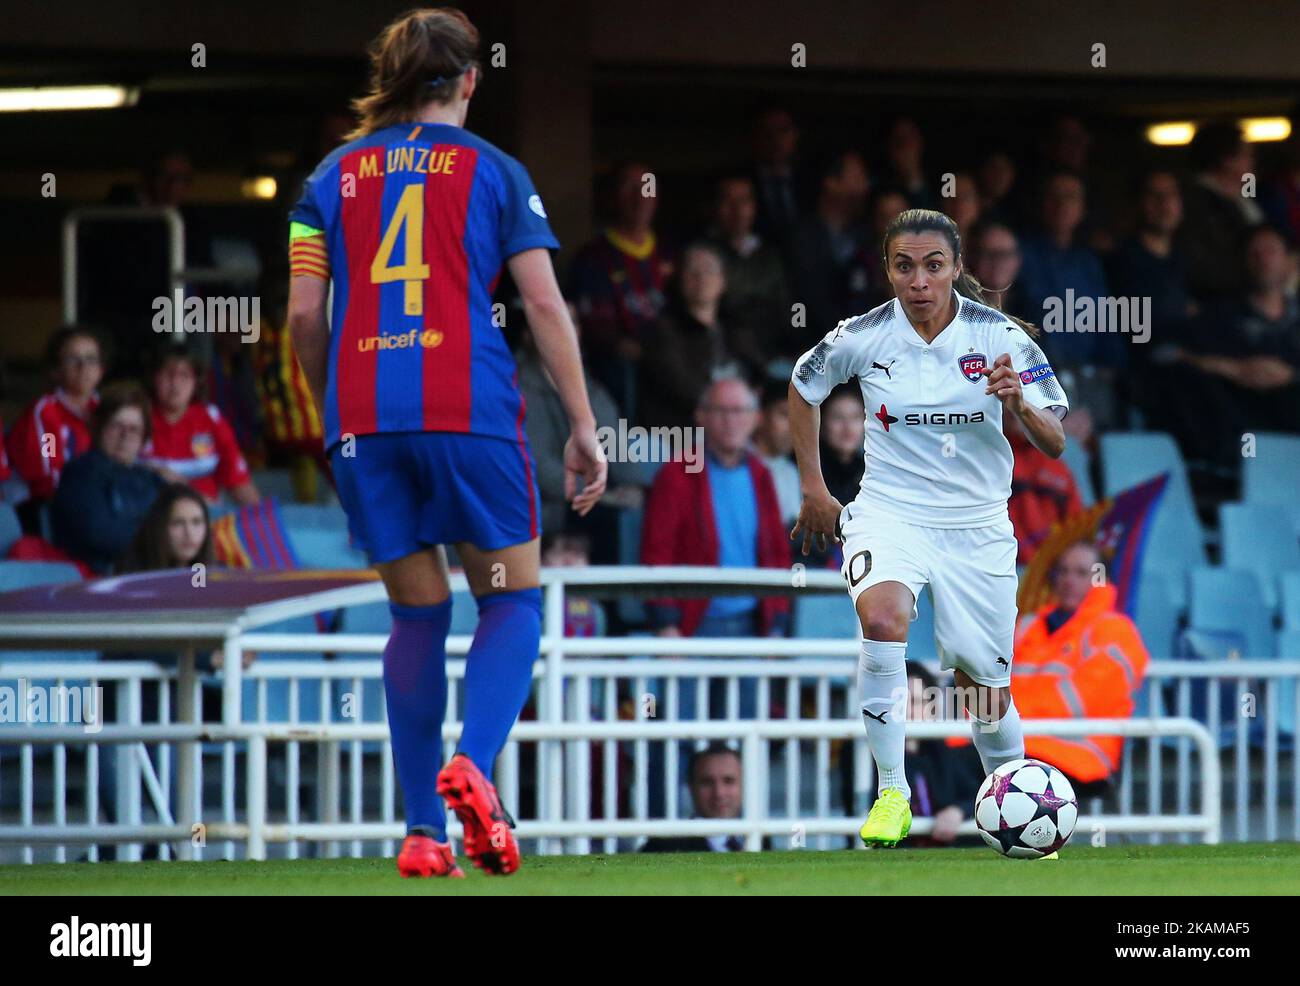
(1260, 128)
(260, 187)
(1171, 134)
(66, 98)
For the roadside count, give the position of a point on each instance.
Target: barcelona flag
(253, 537)
(1118, 526)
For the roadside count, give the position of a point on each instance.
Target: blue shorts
(407, 491)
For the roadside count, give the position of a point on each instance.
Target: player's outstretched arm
(819, 511)
(557, 343)
(310, 332)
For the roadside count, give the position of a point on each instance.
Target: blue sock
(415, 684)
(499, 671)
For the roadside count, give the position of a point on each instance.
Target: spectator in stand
(724, 515)
(547, 425)
(175, 533)
(773, 445)
(105, 492)
(1281, 203)
(1066, 145)
(1043, 491)
(941, 776)
(1218, 214)
(843, 437)
(997, 186)
(885, 205)
(904, 167)
(1238, 369)
(55, 428)
(190, 441)
(776, 181)
(1151, 264)
(1053, 263)
(692, 343)
(1078, 658)
(716, 778)
(757, 293)
(995, 262)
(826, 259)
(618, 283)
(965, 206)
(583, 616)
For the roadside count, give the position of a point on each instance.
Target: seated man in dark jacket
(715, 779)
(104, 493)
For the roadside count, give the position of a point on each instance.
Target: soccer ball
(1026, 809)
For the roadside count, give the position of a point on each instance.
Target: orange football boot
(489, 842)
(422, 856)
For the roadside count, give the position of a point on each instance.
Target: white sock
(882, 691)
(999, 742)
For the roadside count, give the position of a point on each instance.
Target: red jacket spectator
(199, 447)
(679, 529)
(1043, 492)
(49, 415)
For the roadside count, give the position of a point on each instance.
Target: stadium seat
(920, 635)
(1230, 601)
(1157, 615)
(1272, 474)
(1076, 458)
(1290, 600)
(1257, 537)
(824, 616)
(1288, 646)
(10, 529)
(314, 516)
(1176, 541)
(325, 548)
(275, 482)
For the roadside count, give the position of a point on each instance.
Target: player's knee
(884, 625)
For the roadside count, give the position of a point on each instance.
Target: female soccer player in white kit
(937, 369)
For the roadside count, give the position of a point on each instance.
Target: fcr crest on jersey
(971, 364)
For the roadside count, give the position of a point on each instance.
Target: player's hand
(1004, 383)
(818, 515)
(584, 460)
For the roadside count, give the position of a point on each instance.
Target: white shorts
(971, 573)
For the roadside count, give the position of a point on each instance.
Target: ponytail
(931, 221)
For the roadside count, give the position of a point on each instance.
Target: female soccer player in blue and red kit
(411, 222)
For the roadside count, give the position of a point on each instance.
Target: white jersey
(935, 452)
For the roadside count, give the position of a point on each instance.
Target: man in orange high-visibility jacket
(1077, 657)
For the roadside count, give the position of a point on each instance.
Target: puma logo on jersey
(1003, 662)
(878, 366)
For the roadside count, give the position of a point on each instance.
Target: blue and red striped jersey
(413, 224)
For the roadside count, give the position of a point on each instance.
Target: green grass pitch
(1253, 869)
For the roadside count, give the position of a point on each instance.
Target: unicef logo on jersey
(535, 203)
(971, 365)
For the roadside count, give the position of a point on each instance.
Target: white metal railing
(581, 685)
(257, 829)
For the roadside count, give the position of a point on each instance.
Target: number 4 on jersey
(407, 217)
